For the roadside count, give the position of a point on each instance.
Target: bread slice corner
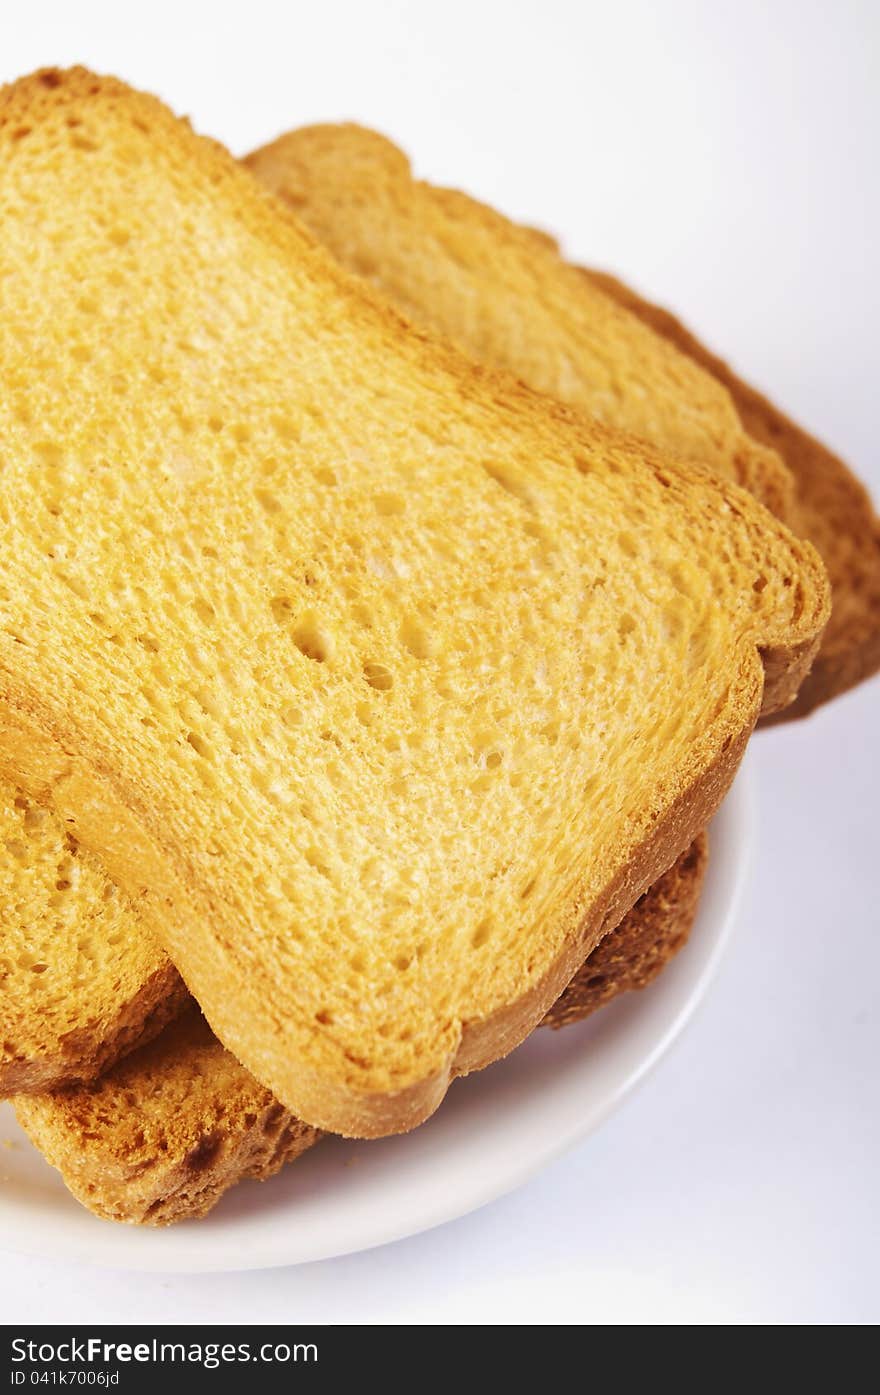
(508, 298)
(830, 506)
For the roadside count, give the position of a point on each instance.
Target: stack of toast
(385, 607)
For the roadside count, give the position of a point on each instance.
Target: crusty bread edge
(637, 950)
(88, 1050)
(757, 466)
(188, 1181)
(844, 659)
(483, 1042)
(185, 1187)
(106, 823)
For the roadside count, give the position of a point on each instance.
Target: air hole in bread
(511, 481)
(205, 1153)
(417, 638)
(378, 676)
(482, 934)
(315, 858)
(388, 504)
(268, 501)
(285, 428)
(313, 641)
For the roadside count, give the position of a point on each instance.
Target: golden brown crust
(161, 1137)
(632, 956)
(167, 1131)
(831, 507)
(87, 1051)
(498, 1034)
(118, 814)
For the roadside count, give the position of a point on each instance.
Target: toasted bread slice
(305, 617)
(506, 296)
(81, 979)
(164, 1134)
(167, 1131)
(831, 507)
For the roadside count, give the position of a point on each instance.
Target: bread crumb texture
(505, 295)
(384, 685)
(161, 1138)
(167, 1131)
(81, 980)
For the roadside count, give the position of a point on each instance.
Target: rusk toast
(163, 1135)
(83, 980)
(306, 617)
(506, 296)
(77, 992)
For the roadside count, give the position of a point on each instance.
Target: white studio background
(723, 158)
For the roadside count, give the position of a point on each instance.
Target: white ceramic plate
(493, 1131)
